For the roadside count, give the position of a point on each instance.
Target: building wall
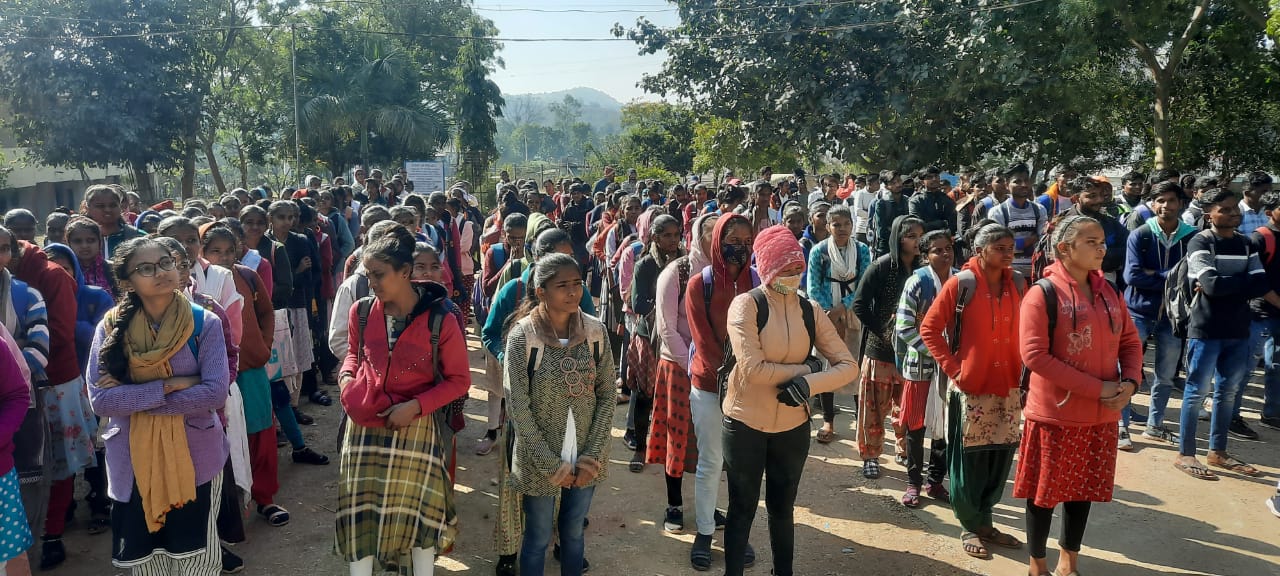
(41, 188)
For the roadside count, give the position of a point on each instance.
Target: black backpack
(762, 318)
(1180, 295)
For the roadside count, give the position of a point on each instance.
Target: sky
(611, 67)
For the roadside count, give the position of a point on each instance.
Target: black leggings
(778, 457)
(828, 407)
(674, 496)
(1075, 516)
(916, 465)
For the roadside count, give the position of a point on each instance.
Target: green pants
(978, 473)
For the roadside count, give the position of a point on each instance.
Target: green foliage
(720, 143)
(479, 103)
(658, 134)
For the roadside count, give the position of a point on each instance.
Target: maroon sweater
(59, 291)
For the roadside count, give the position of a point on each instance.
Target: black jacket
(877, 298)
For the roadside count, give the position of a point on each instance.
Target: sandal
(636, 466)
(1197, 470)
(99, 523)
(1233, 464)
(825, 436)
(911, 499)
(1000, 539)
(274, 514)
(870, 469)
(972, 545)
(321, 397)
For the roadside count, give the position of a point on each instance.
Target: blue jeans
(539, 515)
(705, 410)
(1168, 350)
(1230, 358)
(1264, 346)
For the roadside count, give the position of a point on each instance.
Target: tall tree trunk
(244, 165)
(1160, 117)
(142, 181)
(190, 144)
(213, 166)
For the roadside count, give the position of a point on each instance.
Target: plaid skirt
(393, 494)
(671, 440)
(640, 362)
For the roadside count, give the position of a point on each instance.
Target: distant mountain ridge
(598, 109)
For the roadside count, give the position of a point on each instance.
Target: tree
(567, 112)
(719, 143)
(479, 103)
(89, 85)
(658, 134)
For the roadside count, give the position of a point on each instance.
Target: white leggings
(424, 563)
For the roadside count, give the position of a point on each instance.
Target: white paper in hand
(569, 448)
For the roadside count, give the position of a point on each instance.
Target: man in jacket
(933, 206)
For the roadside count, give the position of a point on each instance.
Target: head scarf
(698, 258)
(776, 248)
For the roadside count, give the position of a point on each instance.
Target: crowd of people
(164, 353)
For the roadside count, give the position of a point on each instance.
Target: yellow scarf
(160, 456)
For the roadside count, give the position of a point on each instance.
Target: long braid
(114, 361)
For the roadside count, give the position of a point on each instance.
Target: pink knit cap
(776, 248)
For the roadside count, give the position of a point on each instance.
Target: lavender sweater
(205, 436)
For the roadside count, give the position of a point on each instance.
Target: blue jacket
(92, 303)
(505, 301)
(818, 278)
(1144, 293)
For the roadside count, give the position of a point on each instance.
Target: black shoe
(308, 456)
(700, 554)
(629, 440)
(1271, 422)
(555, 553)
(1240, 429)
(673, 521)
(506, 566)
(302, 418)
(1136, 416)
(749, 558)
(231, 564)
(52, 552)
(721, 519)
(281, 439)
(321, 398)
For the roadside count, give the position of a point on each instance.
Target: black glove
(794, 392)
(814, 364)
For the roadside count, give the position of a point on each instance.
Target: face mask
(786, 285)
(734, 254)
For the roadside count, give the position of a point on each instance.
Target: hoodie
(708, 321)
(876, 299)
(672, 320)
(987, 360)
(1094, 341)
(92, 303)
(59, 291)
(15, 397)
(1149, 248)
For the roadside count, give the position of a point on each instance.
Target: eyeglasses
(149, 269)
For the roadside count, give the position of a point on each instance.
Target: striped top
(1228, 273)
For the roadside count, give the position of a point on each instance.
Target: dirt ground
(1161, 522)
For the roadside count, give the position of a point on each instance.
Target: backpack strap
(197, 315)
(362, 286)
(1051, 311)
(683, 270)
(810, 323)
(363, 307)
(248, 278)
(1020, 283)
(762, 308)
(707, 283)
(966, 284)
(435, 320)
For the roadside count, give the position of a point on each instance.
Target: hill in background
(598, 109)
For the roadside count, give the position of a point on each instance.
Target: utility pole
(297, 129)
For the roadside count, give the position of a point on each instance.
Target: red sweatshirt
(708, 326)
(987, 360)
(59, 291)
(1094, 341)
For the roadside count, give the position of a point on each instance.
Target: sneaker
(700, 554)
(629, 440)
(308, 456)
(1125, 443)
(673, 521)
(52, 552)
(1206, 410)
(1161, 434)
(721, 519)
(303, 418)
(1271, 422)
(485, 445)
(231, 564)
(281, 439)
(1273, 504)
(1136, 416)
(586, 564)
(1240, 429)
(506, 566)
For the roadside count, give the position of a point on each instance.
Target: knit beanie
(776, 248)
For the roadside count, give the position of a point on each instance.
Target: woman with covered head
(975, 344)
(766, 399)
(158, 372)
(1084, 368)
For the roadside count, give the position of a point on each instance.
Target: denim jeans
(539, 515)
(1230, 358)
(705, 410)
(778, 457)
(1264, 346)
(1168, 350)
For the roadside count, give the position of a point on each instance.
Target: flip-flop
(972, 545)
(1234, 464)
(1000, 539)
(825, 436)
(1197, 471)
(870, 469)
(275, 515)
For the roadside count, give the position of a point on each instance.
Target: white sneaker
(1125, 443)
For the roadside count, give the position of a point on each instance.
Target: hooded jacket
(876, 299)
(257, 319)
(708, 321)
(1149, 248)
(1094, 342)
(385, 377)
(987, 361)
(92, 304)
(59, 291)
(672, 320)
